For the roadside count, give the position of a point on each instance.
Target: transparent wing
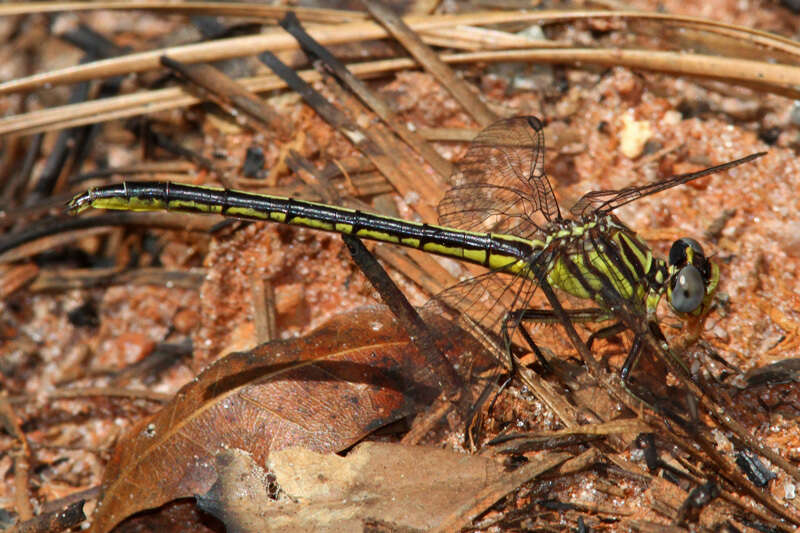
(489, 298)
(500, 185)
(606, 201)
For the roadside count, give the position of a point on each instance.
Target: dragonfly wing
(607, 201)
(486, 299)
(500, 184)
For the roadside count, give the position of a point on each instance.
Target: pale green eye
(688, 291)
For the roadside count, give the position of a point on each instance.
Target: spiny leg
(637, 390)
(639, 344)
(630, 361)
(664, 403)
(547, 316)
(606, 333)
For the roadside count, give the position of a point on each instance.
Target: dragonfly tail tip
(79, 203)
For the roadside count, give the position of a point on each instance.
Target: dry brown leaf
(323, 392)
(395, 486)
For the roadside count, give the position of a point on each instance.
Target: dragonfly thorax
(599, 258)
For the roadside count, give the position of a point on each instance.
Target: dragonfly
(501, 214)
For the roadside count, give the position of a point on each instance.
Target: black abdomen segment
(490, 250)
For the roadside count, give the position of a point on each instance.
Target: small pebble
(633, 137)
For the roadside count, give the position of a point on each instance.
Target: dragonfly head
(693, 279)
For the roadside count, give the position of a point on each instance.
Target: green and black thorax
(601, 259)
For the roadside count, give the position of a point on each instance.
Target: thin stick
(371, 99)
(228, 94)
(759, 75)
(359, 31)
(431, 62)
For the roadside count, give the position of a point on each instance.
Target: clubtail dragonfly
(500, 214)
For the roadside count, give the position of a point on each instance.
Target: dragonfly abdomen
(496, 251)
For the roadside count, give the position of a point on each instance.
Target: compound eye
(688, 290)
(677, 253)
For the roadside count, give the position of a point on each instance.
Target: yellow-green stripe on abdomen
(502, 252)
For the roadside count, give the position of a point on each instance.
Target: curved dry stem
(336, 34)
(759, 75)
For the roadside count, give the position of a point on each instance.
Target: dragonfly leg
(643, 393)
(514, 320)
(535, 348)
(663, 402)
(605, 333)
(631, 360)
